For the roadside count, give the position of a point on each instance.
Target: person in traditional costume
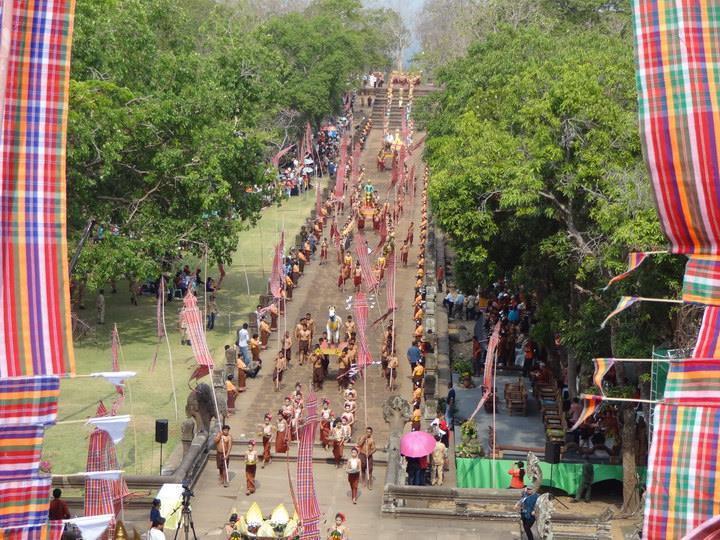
(267, 433)
(316, 359)
(350, 394)
(337, 437)
(280, 367)
(223, 445)
(250, 467)
(232, 393)
(393, 364)
(352, 467)
(273, 317)
(366, 450)
(357, 276)
(350, 328)
(410, 233)
(264, 333)
(339, 531)
(348, 420)
(287, 347)
(404, 253)
(323, 251)
(281, 434)
(325, 415)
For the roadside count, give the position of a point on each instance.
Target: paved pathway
(316, 292)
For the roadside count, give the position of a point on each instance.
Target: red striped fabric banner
(360, 313)
(24, 503)
(390, 282)
(35, 326)
(590, 405)
(635, 259)
(318, 201)
(602, 366)
(488, 374)
(708, 341)
(160, 309)
(52, 530)
(678, 58)
(115, 348)
(361, 250)
(340, 174)
(701, 282)
(103, 496)
(20, 448)
(193, 320)
(307, 503)
(276, 273)
(29, 400)
(277, 157)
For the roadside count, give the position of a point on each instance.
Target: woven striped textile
(602, 366)
(160, 309)
(277, 268)
(340, 173)
(701, 282)
(24, 503)
(488, 374)
(590, 405)
(103, 496)
(196, 331)
(624, 303)
(678, 60)
(635, 259)
(361, 250)
(52, 530)
(708, 530)
(390, 300)
(308, 508)
(360, 314)
(29, 400)
(694, 381)
(35, 329)
(318, 201)
(20, 448)
(708, 341)
(683, 487)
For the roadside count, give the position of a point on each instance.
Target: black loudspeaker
(552, 452)
(161, 431)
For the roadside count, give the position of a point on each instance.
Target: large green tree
(175, 107)
(537, 175)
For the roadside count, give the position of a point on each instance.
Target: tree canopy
(537, 175)
(175, 107)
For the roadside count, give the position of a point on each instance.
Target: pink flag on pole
(194, 324)
(488, 375)
(390, 281)
(115, 351)
(160, 309)
(276, 158)
(277, 272)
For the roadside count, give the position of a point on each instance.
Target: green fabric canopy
(478, 473)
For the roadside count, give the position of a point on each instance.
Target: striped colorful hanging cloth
(678, 59)
(624, 303)
(20, 449)
(360, 313)
(340, 174)
(308, 508)
(24, 503)
(390, 282)
(701, 282)
(708, 341)
(277, 268)
(193, 320)
(35, 329)
(635, 259)
(52, 530)
(488, 374)
(361, 250)
(29, 400)
(590, 405)
(602, 366)
(694, 381)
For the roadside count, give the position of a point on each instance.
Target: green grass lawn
(151, 391)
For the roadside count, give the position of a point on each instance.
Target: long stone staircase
(396, 111)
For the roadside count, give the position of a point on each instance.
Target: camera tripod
(185, 522)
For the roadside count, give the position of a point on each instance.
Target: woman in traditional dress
(323, 251)
(339, 531)
(352, 467)
(250, 467)
(281, 441)
(325, 415)
(338, 441)
(267, 432)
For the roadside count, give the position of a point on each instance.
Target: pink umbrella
(417, 444)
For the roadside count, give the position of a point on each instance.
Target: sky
(409, 10)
